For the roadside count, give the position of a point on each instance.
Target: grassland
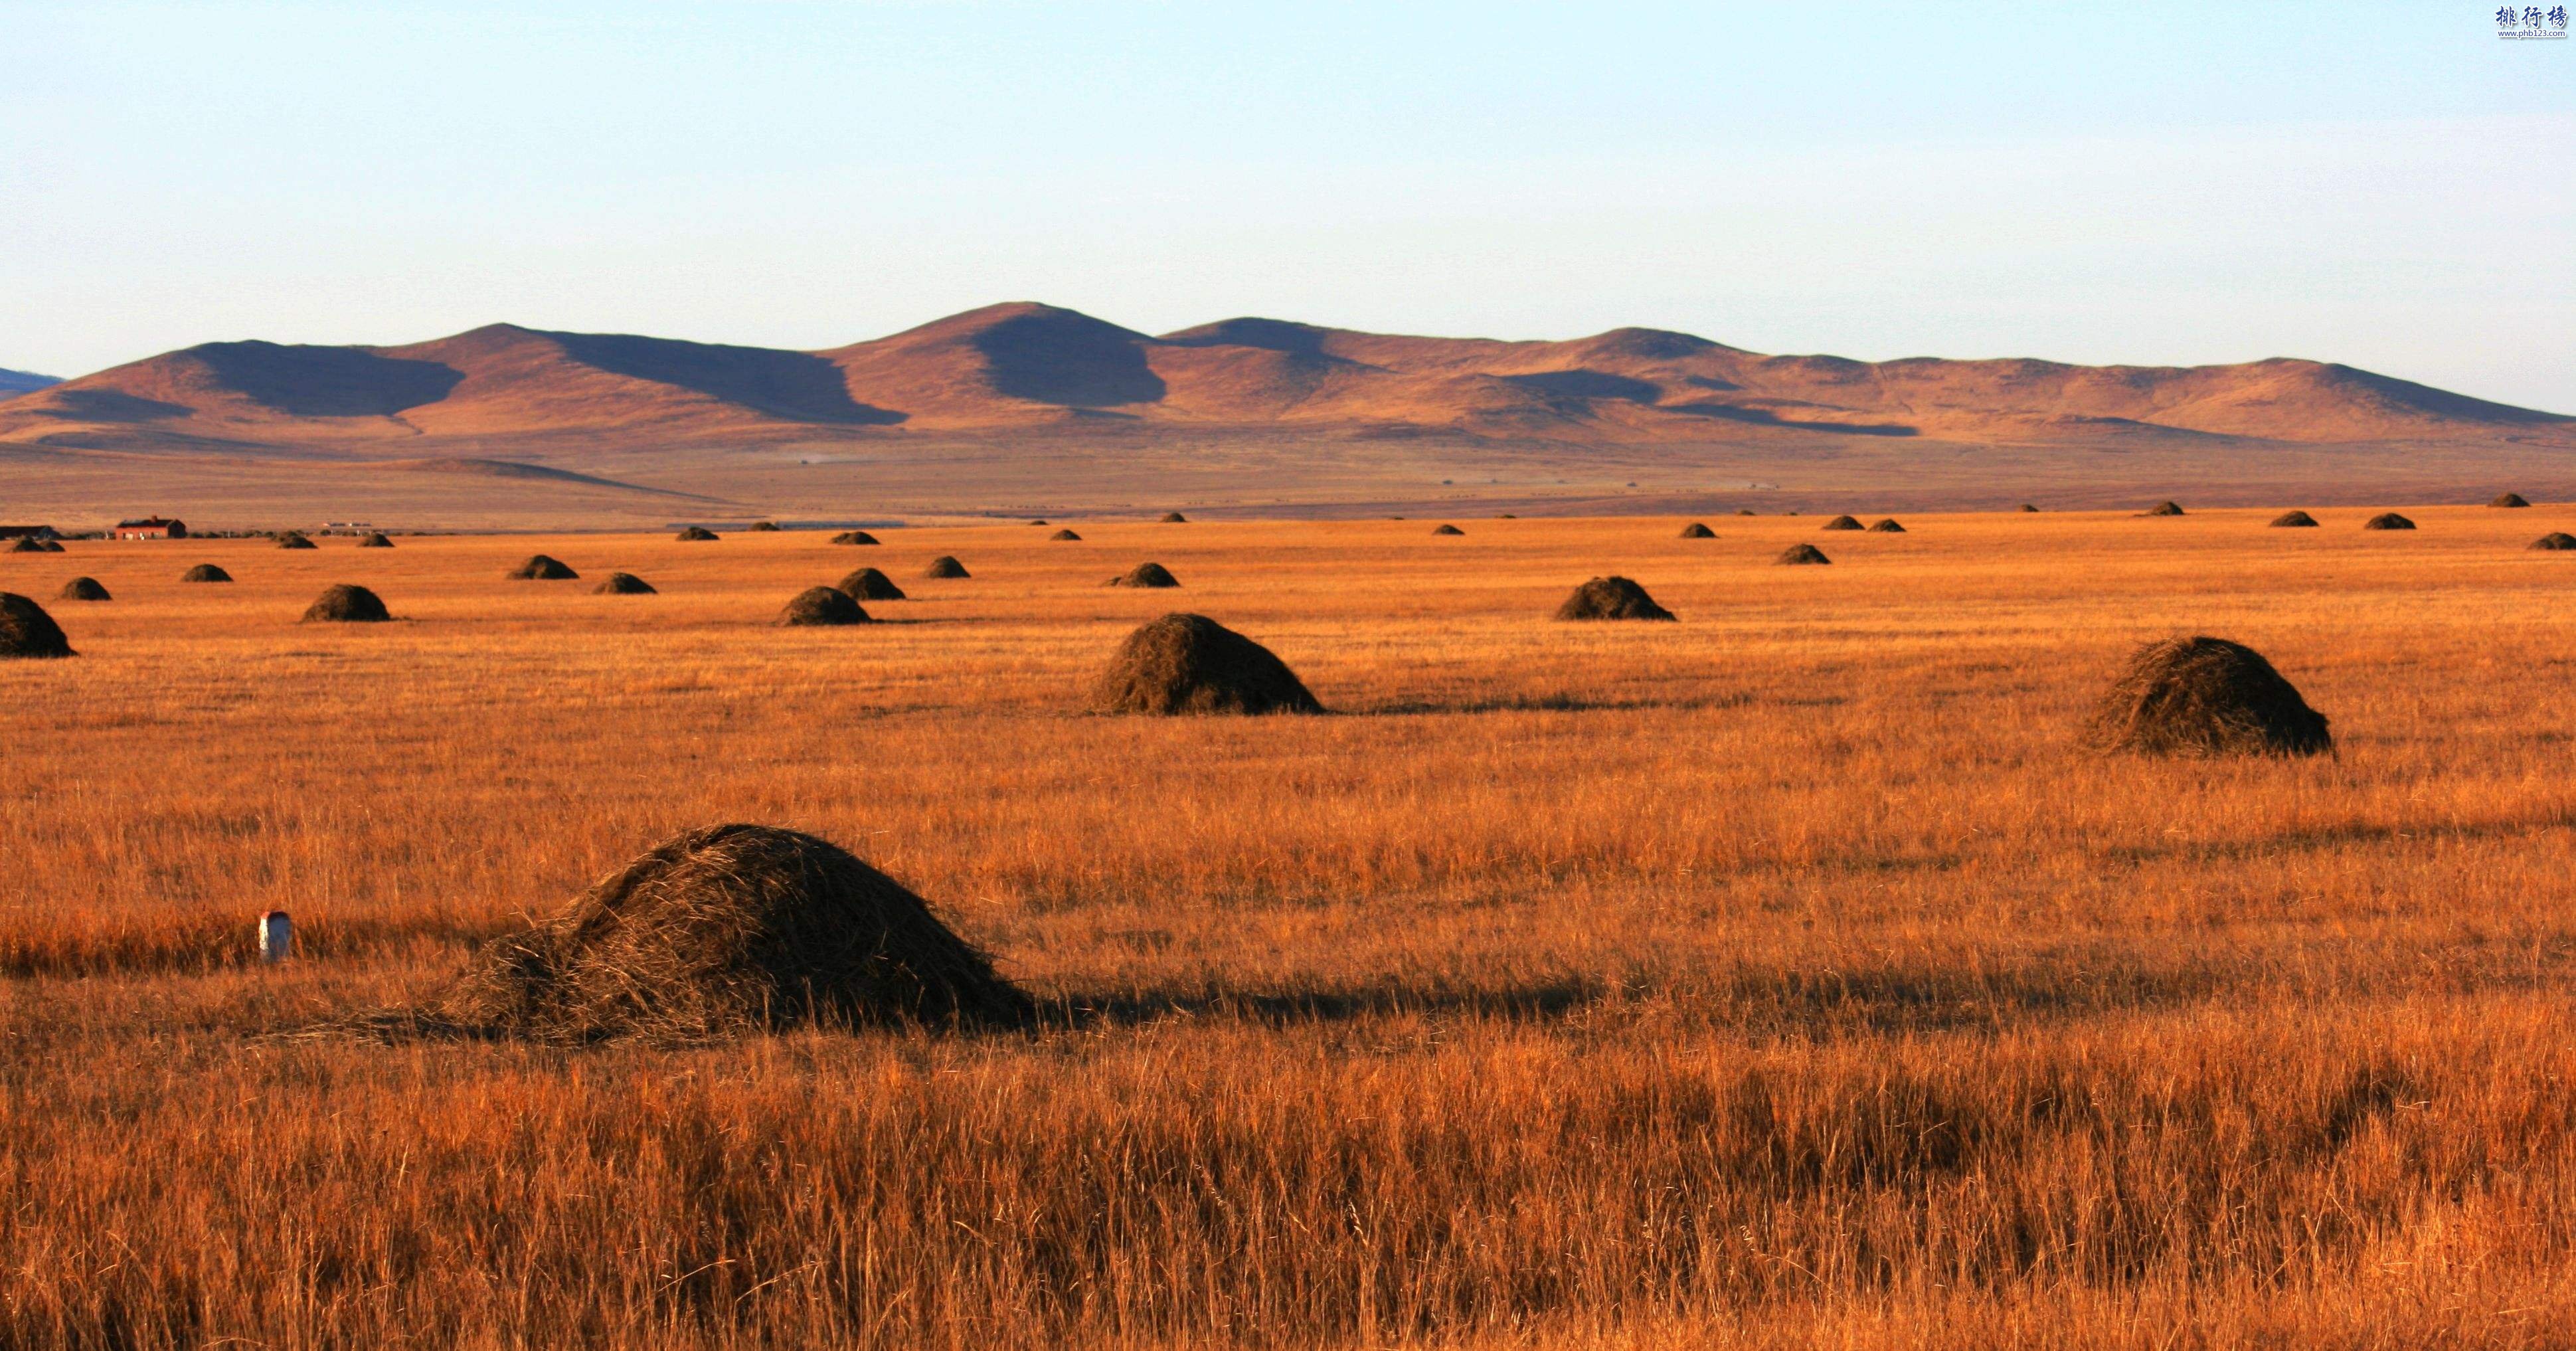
(1782, 977)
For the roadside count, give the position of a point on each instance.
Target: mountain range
(1034, 385)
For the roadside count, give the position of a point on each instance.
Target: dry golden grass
(1782, 977)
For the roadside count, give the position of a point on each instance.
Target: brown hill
(1030, 403)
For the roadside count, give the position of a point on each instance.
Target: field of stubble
(1782, 977)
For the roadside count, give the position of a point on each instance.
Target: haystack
(624, 584)
(870, 584)
(83, 588)
(854, 537)
(540, 568)
(730, 929)
(346, 605)
(1611, 598)
(822, 606)
(1841, 523)
(2205, 696)
(695, 534)
(2555, 540)
(51, 546)
(26, 546)
(2388, 520)
(2510, 500)
(294, 539)
(1886, 525)
(1151, 576)
(376, 540)
(1184, 663)
(1175, 518)
(2026, 506)
(2165, 508)
(1797, 555)
(1744, 511)
(1695, 530)
(2294, 520)
(944, 566)
(764, 527)
(1065, 535)
(27, 631)
(1447, 530)
(205, 572)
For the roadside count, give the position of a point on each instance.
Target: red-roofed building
(150, 527)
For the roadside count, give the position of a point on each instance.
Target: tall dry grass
(1784, 977)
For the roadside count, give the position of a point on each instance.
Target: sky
(2386, 185)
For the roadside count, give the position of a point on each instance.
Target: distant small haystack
(2165, 508)
(205, 572)
(623, 584)
(822, 606)
(854, 537)
(1447, 530)
(1841, 523)
(2294, 520)
(1184, 663)
(1151, 576)
(1175, 518)
(83, 588)
(695, 533)
(944, 566)
(27, 631)
(347, 605)
(1887, 525)
(1744, 511)
(1611, 598)
(764, 527)
(376, 540)
(540, 568)
(51, 546)
(2555, 540)
(2388, 520)
(870, 584)
(1801, 554)
(27, 546)
(1065, 535)
(2026, 506)
(2510, 500)
(1695, 530)
(2205, 696)
(294, 539)
(725, 930)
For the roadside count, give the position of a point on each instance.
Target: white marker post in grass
(276, 936)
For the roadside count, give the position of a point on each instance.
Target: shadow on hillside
(327, 381)
(1764, 417)
(796, 385)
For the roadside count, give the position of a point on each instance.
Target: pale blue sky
(2387, 185)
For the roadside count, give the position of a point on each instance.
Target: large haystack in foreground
(822, 606)
(27, 631)
(870, 584)
(1801, 555)
(83, 588)
(2205, 696)
(1184, 663)
(543, 568)
(2388, 520)
(1696, 530)
(205, 572)
(2294, 520)
(1611, 598)
(730, 929)
(346, 605)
